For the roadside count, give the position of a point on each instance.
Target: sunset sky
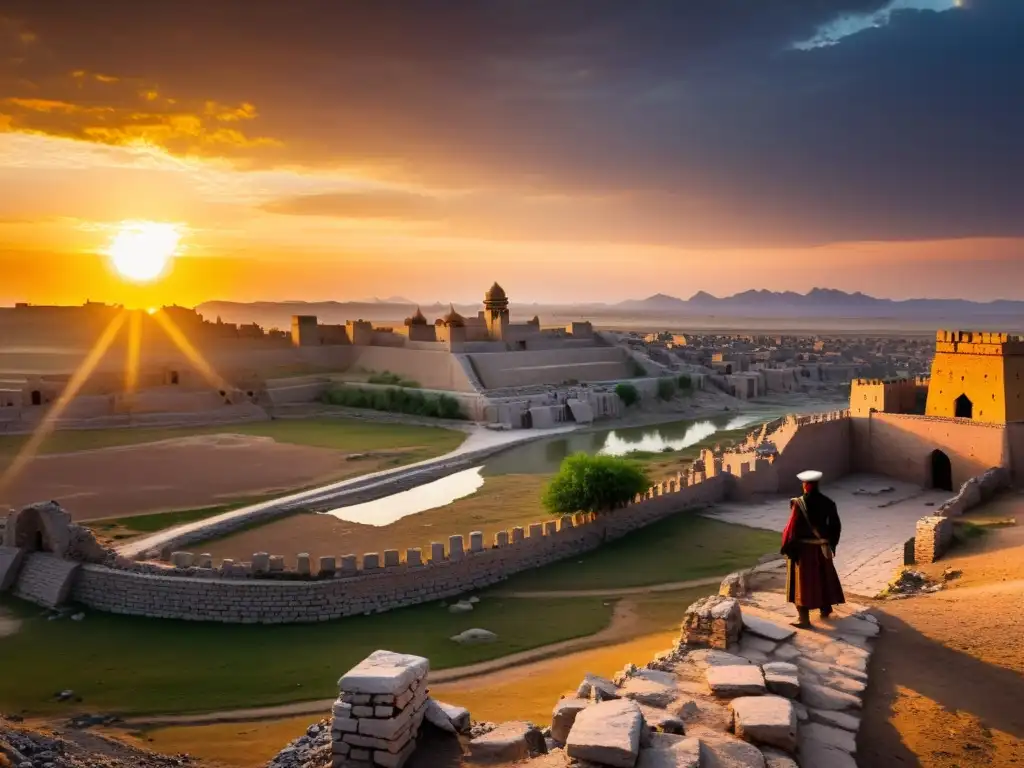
(574, 150)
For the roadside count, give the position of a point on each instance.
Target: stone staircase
(45, 579)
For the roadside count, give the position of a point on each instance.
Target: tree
(596, 484)
(627, 394)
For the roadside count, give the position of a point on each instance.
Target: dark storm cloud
(687, 122)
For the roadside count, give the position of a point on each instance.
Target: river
(544, 457)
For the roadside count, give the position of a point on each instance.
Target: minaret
(496, 311)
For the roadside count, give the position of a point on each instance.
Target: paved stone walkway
(875, 524)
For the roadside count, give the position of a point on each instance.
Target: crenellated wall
(376, 584)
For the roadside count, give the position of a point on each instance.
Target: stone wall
(377, 585)
(901, 446)
(550, 366)
(932, 538)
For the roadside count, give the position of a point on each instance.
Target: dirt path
(947, 677)
(624, 620)
(624, 592)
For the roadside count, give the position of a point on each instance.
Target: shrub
(396, 400)
(685, 382)
(596, 484)
(387, 377)
(666, 389)
(627, 394)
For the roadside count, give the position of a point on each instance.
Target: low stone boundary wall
(376, 586)
(932, 538)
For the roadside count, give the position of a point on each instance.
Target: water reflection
(428, 496)
(619, 443)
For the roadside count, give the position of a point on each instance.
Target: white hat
(810, 476)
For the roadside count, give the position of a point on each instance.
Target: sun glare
(141, 251)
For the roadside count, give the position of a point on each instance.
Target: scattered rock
(736, 680)
(597, 688)
(448, 718)
(607, 733)
(460, 607)
(703, 658)
(564, 715)
(782, 678)
(952, 573)
(670, 751)
(475, 637)
(78, 616)
(734, 585)
(508, 742)
(767, 720)
(649, 692)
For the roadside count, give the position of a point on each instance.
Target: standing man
(809, 542)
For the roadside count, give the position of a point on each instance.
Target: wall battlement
(979, 343)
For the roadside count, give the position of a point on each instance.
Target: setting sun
(142, 250)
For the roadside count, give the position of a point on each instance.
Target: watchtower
(496, 311)
(977, 375)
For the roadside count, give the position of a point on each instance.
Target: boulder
(564, 715)
(773, 758)
(597, 688)
(713, 622)
(724, 751)
(507, 743)
(447, 717)
(649, 692)
(782, 678)
(739, 680)
(767, 629)
(384, 672)
(475, 637)
(767, 720)
(670, 751)
(607, 733)
(734, 585)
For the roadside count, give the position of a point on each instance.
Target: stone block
(327, 565)
(414, 557)
(648, 692)
(371, 561)
(384, 672)
(769, 720)
(509, 742)
(349, 565)
(276, 563)
(182, 559)
(518, 534)
(739, 680)
(782, 678)
(392, 558)
(607, 733)
(842, 720)
(436, 552)
(536, 530)
(836, 738)
(550, 528)
(774, 758)
(564, 715)
(501, 539)
(820, 697)
(597, 688)
(670, 751)
(720, 750)
(456, 548)
(733, 585)
(565, 522)
(302, 564)
(476, 541)
(767, 629)
(204, 560)
(712, 621)
(394, 760)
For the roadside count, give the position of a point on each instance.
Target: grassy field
(350, 435)
(679, 548)
(138, 666)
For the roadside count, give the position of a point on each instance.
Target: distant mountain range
(817, 303)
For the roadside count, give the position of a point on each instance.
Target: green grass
(352, 435)
(682, 547)
(145, 666)
(158, 521)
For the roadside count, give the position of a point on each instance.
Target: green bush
(387, 377)
(396, 400)
(627, 394)
(666, 389)
(586, 483)
(685, 382)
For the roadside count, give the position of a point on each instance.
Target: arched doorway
(942, 471)
(963, 408)
(37, 397)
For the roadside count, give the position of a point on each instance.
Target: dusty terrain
(947, 677)
(178, 474)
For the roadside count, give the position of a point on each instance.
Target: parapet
(979, 343)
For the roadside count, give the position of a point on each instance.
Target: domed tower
(453, 319)
(416, 319)
(496, 311)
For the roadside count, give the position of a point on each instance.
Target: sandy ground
(947, 677)
(182, 473)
